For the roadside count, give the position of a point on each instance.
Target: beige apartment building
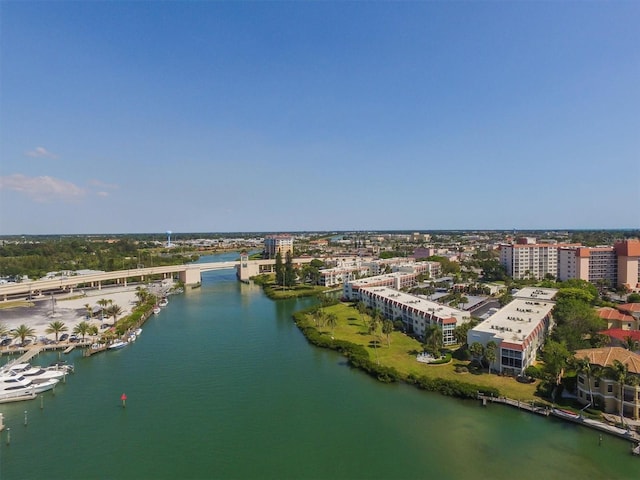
(274, 244)
(605, 393)
(617, 265)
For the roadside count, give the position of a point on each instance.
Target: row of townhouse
(618, 264)
(404, 275)
(416, 313)
(396, 280)
(606, 393)
(518, 329)
(330, 277)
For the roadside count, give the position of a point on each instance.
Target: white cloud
(41, 189)
(100, 184)
(41, 152)
(103, 194)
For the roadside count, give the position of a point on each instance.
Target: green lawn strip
(16, 304)
(401, 355)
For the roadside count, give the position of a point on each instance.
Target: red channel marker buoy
(123, 397)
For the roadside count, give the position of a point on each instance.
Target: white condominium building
(415, 312)
(397, 280)
(518, 329)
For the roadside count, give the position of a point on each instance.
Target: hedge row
(452, 388)
(357, 355)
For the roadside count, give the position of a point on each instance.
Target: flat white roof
(363, 282)
(536, 293)
(517, 320)
(420, 304)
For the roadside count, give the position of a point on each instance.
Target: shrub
(533, 372)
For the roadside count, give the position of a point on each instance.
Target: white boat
(138, 331)
(36, 374)
(164, 302)
(558, 412)
(117, 345)
(14, 386)
(156, 310)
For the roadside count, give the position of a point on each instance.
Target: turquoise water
(221, 384)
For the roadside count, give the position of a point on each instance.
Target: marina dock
(626, 434)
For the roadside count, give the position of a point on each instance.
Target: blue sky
(125, 117)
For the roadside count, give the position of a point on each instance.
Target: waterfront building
(518, 329)
(415, 312)
(274, 244)
(604, 392)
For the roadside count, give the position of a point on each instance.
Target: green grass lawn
(402, 351)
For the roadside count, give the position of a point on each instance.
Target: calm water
(222, 385)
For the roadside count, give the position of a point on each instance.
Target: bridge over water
(189, 274)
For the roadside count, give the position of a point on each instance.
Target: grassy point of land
(401, 353)
(276, 292)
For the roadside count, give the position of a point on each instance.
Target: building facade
(416, 313)
(518, 329)
(616, 265)
(605, 392)
(274, 244)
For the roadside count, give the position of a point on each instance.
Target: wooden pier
(529, 406)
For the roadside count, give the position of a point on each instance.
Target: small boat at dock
(558, 412)
(117, 345)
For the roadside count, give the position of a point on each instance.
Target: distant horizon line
(352, 231)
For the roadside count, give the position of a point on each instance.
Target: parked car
(5, 342)
(64, 337)
(73, 338)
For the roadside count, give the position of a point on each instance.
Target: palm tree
(362, 308)
(82, 329)
(22, 332)
(3, 329)
(387, 328)
(103, 302)
(629, 343)
(142, 295)
(89, 309)
(332, 321)
(433, 339)
(477, 350)
(490, 353)
(56, 327)
(373, 330)
(114, 310)
(584, 366)
(621, 371)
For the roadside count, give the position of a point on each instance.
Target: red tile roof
(605, 357)
(630, 307)
(608, 313)
(620, 334)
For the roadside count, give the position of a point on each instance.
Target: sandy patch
(69, 309)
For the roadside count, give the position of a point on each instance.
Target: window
(610, 388)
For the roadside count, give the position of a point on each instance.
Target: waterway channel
(221, 384)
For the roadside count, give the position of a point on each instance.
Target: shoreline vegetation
(276, 292)
(393, 359)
